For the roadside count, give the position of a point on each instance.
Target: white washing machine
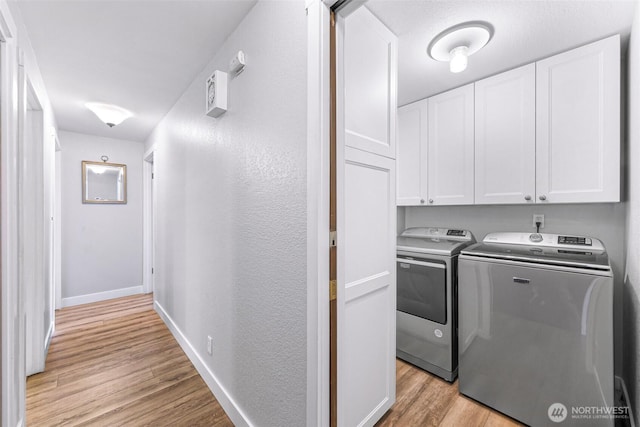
(536, 328)
(426, 322)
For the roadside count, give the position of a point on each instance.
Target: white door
(366, 220)
(370, 88)
(450, 167)
(411, 160)
(578, 124)
(505, 137)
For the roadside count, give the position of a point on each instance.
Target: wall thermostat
(237, 63)
(216, 90)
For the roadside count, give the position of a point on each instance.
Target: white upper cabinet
(505, 137)
(450, 147)
(370, 69)
(578, 124)
(547, 132)
(411, 153)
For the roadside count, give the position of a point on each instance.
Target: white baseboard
(101, 296)
(237, 416)
(623, 386)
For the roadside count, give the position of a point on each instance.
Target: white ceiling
(524, 32)
(138, 54)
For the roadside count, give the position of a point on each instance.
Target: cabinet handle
(430, 200)
(527, 197)
(542, 197)
(421, 200)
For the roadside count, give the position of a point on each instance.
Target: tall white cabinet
(450, 147)
(366, 218)
(505, 132)
(578, 124)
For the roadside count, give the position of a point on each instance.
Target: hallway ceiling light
(111, 115)
(454, 45)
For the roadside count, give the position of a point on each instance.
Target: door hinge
(332, 289)
(333, 239)
(151, 270)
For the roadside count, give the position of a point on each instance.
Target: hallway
(116, 363)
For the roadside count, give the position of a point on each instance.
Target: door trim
(318, 110)
(13, 340)
(148, 232)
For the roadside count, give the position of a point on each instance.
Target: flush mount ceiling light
(454, 45)
(111, 115)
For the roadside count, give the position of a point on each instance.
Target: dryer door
(422, 288)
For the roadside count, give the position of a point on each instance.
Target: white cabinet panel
(505, 137)
(412, 154)
(578, 124)
(450, 164)
(366, 219)
(370, 64)
(366, 294)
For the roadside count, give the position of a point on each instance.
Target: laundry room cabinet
(450, 147)
(505, 137)
(411, 154)
(578, 124)
(435, 150)
(546, 132)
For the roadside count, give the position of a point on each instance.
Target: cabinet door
(370, 67)
(412, 154)
(505, 137)
(578, 124)
(366, 225)
(450, 152)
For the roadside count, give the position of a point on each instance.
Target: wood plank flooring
(425, 400)
(115, 363)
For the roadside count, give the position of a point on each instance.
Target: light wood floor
(115, 363)
(425, 400)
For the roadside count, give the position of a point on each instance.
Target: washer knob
(535, 237)
(527, 197)
(421, 200)
(543, 197)
(430, 200)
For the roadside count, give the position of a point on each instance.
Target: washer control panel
(574, 240)
(546, 240)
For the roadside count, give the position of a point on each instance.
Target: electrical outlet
(538, 218)
(209, 344)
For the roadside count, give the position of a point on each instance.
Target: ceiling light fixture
(111, 115)
(454, 45)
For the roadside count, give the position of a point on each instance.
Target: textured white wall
(101, 244)
(231, 218)
(631, 307)
(605, 221)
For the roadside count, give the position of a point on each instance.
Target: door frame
(318, 112)
(57, 222)
(35, 223)
(12, 312)
(148, 231)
